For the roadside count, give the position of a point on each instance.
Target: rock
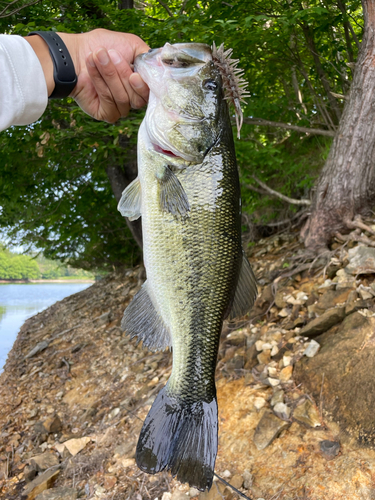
(29, 473)
(323, 323)
(53, 424)
(311, 349)
(272, 371)
(44, 461)
(347, 360)
(365, 292)
(284, 312)
(306, 413)
(39, 484)
(109, 482)
(259, 345)
(259, 403)
(332, 298)
(329, 449)
(126, 450)
(59, 447)
(216, 492)
(268, 429)
(38, 348)
(274, 351)
(61, 493)
(286, 374)
(74, 446)
(361, 260)
(193, 492)
(251, 357)
(273, 382)
(237, 481)
(179, 495)
(282, 411)
(247, 479)
(344, 280)
(227, 474)
(287, 360)
(352, 307)
(236, 338)
(278, 397)
(264, 357)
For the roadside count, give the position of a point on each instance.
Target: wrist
(42, 52)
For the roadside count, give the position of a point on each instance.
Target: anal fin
(142, 320)
(246, 291)
(130, 203)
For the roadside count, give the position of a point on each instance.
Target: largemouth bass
(188, 194)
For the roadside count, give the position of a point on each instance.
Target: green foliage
(54, 191)
(17, 267)
(14, 266)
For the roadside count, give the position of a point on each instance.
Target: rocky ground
(295, 389)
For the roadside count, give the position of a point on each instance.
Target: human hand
(107, 87)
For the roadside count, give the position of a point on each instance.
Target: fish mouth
(165, 152)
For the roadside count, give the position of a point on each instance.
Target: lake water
(18, 302)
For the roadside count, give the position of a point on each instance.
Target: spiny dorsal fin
(233, 81)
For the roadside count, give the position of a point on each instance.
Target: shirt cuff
(25, 97)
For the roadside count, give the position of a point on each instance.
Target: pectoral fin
(173, 198)
(130, 203)
(246, 291)
(142, 320)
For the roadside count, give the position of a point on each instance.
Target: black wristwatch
(64, 73)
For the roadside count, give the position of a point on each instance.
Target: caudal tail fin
(180, 437)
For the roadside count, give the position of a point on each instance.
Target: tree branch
(306, 130)
(170, 13)
(4, 14)
(183, 7)
(279, 195)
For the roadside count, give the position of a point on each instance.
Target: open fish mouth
(165, 152)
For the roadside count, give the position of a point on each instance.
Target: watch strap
(63, 68)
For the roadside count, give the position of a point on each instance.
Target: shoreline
(32, 282)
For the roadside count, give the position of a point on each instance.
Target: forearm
(40, 48)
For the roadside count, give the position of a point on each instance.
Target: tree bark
(346, 186)
(119, 179)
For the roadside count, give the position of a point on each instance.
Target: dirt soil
(73, 377)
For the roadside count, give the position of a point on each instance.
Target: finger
(140, 87)
(125, 74)
(108, 110)
(111, 66)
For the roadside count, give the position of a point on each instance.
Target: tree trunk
(120, 177)
(346, 186)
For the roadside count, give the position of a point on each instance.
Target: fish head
(186, 94)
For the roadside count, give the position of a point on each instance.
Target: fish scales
(193, 266)
(188, 194)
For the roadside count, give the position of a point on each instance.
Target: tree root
(358, 224)
(355, 236)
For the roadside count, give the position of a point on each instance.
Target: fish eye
(209, 84)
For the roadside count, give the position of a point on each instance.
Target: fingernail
(115, 56)
(102, 57)
(137, 81)
(90, 60)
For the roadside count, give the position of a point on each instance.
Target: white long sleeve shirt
(23, 88)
